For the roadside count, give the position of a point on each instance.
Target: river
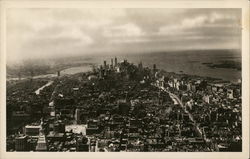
(190, 62)
(68, 71)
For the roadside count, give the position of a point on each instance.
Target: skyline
(49, 33)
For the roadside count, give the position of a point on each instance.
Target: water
(188, 62)
(68, 71)
(74, 70)
(185, 62)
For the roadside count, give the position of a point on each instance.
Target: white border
(243, 4)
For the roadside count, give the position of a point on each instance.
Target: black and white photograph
(125, 79)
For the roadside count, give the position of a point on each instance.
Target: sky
(50, 33)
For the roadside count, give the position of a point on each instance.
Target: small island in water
(224, 64)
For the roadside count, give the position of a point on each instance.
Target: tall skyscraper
(140, 65)
(105, 64)
(154, 67)
(115, 61)
(112, 64)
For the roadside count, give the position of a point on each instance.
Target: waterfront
(186, 62)
(181, 62)
(121, 106)
(74, 70)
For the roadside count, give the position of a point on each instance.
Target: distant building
(112, 63)
(178, 85)
(32, 142)
(140, 66)
(154, 67)
(209, 88)
(92, 77)
(20, 116)
(154, 70)
(170, 83)
(92, 127)
(162, 81)
(105, 64)
(118, 70)
(115, 61)
(101, 72)
(230, 94)
(41, 144)
(32, 130)
(52, 136)
(214, 89)
(76, 129)
(206, 98)
(193, 88)
(81, 116)
(82, 144)
(21, 143)
(189, 86)
(59, 127)
(175, 80)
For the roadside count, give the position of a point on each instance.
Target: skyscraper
(112, 64)
(115, 61)
(105, 64)
(140, 65)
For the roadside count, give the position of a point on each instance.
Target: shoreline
(88, 67)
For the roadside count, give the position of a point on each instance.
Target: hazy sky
(43, 33)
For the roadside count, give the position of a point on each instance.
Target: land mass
(224, 64)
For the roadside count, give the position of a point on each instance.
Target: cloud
(36, 33)
(125, 33)
(126, 30)
(197, 21)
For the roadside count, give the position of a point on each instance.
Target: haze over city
(50, 33)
